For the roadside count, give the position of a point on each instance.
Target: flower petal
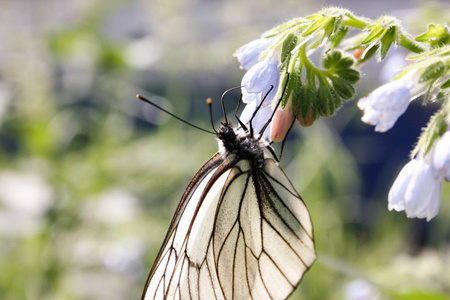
(262, 76)
(416, 190)
(248, 55)
(260, 119)
(441, 156)
(388, 102)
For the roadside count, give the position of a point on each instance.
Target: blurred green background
(90, 177)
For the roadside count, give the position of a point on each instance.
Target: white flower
(258, 81)
(417, 190)
(388, 102)
(260, 119)
(248, 55)
(262, 76)
(441, 156)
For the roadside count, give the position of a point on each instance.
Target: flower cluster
(260, 83)
(417, 189)
(279, 70)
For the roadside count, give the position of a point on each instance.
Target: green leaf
(436, 127)
(317, 25)
(350, 75)
(337, 37)
(386, 41)
(433, 71)
(441, 95)
(345, 63)
(376, 33)
(342, 87)
(281, 93)
(436, 36)
(328, 101)
(446, 84)
(329, 28)
(308, 95)
(341, 75)
(289, 44)
(332, 59)
(369, 52)
(295, 91)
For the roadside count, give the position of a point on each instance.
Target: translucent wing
(244, 233)
(164, 267)
(263, 240)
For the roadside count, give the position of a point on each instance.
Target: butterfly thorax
(240, 143)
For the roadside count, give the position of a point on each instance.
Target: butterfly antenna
(209, 102)
(258, 108)
(236, 116)
(223, 105)
(275, 108)
(171, 114)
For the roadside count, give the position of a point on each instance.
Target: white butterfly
(240, 231)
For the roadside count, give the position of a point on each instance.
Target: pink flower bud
(281, 122)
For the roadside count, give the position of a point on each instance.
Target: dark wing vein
(259, 243)
(215, 162)
(253, 220)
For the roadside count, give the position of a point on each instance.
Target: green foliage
(323, 89)
(435, 128)
(433, 71)
(289, 44)
(436, 36)
(382, 34)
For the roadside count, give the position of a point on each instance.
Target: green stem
(409, 44)
(304, 58)
(305, 61)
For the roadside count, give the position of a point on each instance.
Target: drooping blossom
(388, 102)
(417, 190)
(260, 83)
(248, 55)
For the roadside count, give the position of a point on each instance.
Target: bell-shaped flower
(417, 190)
(260, 83)
(248, 55)
(262, 116)
(387, 103)
(441, 156)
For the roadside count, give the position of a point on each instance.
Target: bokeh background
(90, 177)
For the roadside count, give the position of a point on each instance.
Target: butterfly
(240, 231)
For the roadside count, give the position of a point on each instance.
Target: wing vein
(272, 191)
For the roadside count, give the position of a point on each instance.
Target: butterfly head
(240, 142)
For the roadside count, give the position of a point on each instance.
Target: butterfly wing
(243, 233)
(161, 282)
(263, 240)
